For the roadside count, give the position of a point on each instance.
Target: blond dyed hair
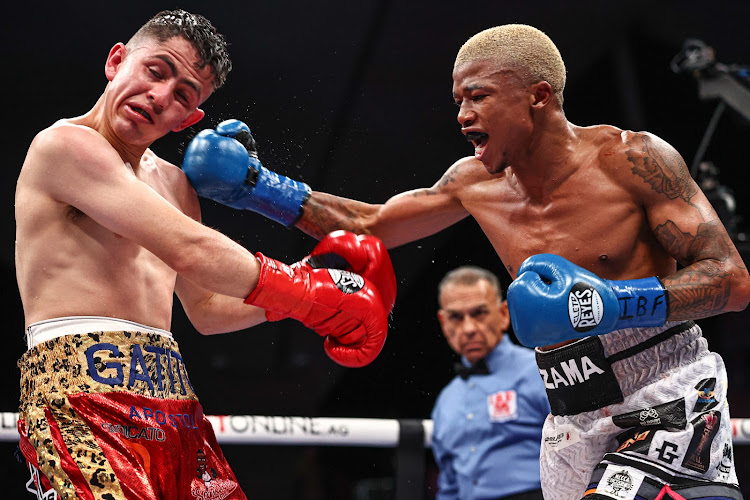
(525, 49)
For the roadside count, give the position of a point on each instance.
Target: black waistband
(579, 378)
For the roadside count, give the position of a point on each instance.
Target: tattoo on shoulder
(448, 177)
(661, 167)
(418, 193)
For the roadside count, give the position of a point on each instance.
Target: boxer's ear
(191, 120)
(114, 60)
(541, 94)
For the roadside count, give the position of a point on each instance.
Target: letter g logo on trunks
(585, 307)
(345, 281)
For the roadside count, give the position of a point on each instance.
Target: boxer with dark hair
(106, 233)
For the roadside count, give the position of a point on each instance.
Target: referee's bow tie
(478, 368)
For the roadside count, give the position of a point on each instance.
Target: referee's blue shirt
(488, 428)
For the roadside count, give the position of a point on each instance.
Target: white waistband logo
(573, 373)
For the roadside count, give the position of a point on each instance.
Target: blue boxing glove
(223, 165)
(553, 300)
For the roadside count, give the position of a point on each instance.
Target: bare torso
(69, 265)
(620, 204)
(590, 217)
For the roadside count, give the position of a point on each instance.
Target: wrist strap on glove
(643, 302)
(274, 196)
(273, 292)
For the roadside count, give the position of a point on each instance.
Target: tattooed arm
(714, 278)
(406, 217)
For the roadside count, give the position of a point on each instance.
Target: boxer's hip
(138, 360)
(113, 411)
(595, 372)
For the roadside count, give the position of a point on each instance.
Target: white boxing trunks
(637, 414)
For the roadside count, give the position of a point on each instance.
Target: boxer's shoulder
(65, 136)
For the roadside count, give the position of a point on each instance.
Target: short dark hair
(468, 275)
(210, 45)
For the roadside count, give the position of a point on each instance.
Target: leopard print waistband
(149, 364)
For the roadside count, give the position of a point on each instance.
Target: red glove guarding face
(338, 304)
(362, 254)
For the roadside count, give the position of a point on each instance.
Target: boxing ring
(408, 436)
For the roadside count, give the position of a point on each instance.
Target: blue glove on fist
(223, 165)
(553, 300)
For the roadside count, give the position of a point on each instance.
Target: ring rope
(324, 431)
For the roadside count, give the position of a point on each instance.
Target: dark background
(354, 99)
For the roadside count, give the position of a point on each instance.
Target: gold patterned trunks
(112, 415)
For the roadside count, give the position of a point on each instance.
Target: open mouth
(479, 139)
(142, 112)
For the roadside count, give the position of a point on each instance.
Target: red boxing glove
(362, 254)
(344, 307)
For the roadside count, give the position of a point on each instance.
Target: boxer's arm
(223, 165)
(75, 166)
(212, 313)
(714, 278)
(404, 218)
